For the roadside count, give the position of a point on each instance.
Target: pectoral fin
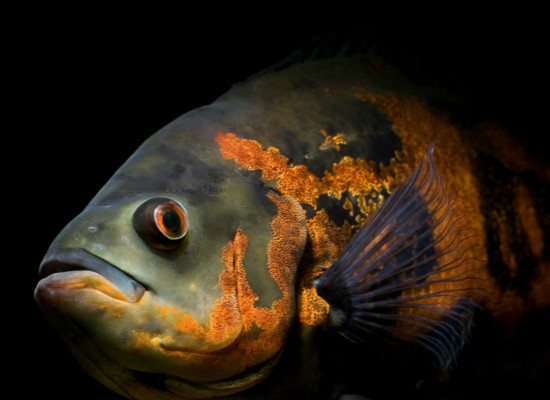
(408, 274)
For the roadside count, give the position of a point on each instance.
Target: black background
(86, 87)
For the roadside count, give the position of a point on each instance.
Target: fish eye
(161, 223)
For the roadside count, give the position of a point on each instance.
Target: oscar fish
(325, 208)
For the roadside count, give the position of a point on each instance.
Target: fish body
(326, 203)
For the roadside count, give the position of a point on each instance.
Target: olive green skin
(182, 162)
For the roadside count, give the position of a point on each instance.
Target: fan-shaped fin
(408, 274)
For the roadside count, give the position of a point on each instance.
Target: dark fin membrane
(354, 42)
(408, 275)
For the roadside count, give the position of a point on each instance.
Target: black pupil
(171, 221)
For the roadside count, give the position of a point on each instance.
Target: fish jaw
(74, 268)
(116, 328)
(163, 367)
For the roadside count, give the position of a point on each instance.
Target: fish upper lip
(74, 259)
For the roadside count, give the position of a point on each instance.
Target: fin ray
(407, 275)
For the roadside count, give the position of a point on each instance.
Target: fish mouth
(76, 268)
(122, 378)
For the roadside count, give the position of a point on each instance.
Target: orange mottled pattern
(283, 255)
(238, 302)
(418, 126)
(362, 179)
(225, 315)
(332, 141)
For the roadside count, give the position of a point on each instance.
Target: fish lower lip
(242, 381)
(74, 259)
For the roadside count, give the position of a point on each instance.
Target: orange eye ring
(161, 222)
(170, 220)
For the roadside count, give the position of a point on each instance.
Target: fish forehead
(180, 158)
(294, 110)
(289, 110)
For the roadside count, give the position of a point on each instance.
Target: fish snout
(74, 267)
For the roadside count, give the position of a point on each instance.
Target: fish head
(170, 292)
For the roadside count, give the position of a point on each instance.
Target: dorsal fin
(327, 46)
(407, 276)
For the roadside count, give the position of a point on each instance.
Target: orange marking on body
(112, 309)
(300, 183)
(418, 125)
(142, 339)
(187, 324)
(327, 239)
(249, 154)
(358, 177)
(225, 318)
(332, 141)
(232, 257)
(313, 309)
(283, 254)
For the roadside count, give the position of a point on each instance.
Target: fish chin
(129, 340)
(139, 385)
(150, 379)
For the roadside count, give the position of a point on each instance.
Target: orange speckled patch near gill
(332, 141)
(362, 179)
(418, 125)
(283, 254)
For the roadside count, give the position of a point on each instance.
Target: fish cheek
(165, 335)
(266, 327)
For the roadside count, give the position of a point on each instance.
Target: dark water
(89, 93)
